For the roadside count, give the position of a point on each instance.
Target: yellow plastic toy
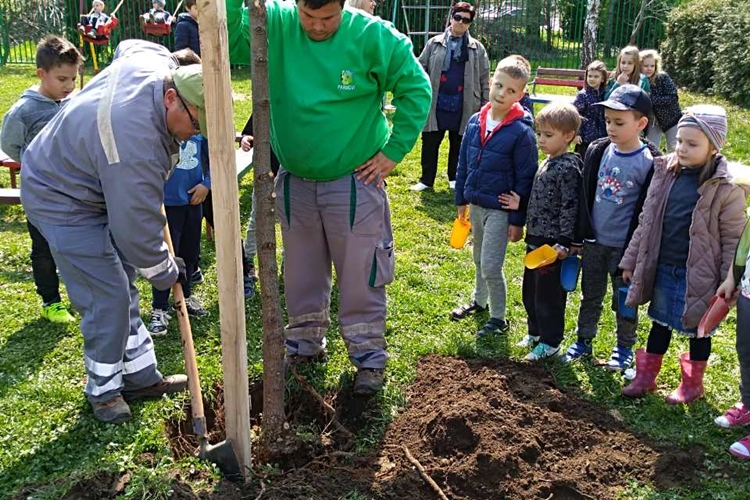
(540, 257)
(460, 232)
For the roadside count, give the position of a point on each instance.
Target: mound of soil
(498, 429)
(481, 429)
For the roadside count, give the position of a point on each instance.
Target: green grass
(49, 438)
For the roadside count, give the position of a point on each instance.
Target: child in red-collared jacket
(684, 244)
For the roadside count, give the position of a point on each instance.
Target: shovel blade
(222, 454)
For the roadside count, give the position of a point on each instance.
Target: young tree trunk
(273, 338)
(590, 31)
(639, 20)
(610, 27)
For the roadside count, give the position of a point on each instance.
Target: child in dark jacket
(551, 220)
(498, 156)
(616, 174)
(593, 126)
(187, 187)
(186, 35)
(664, 98)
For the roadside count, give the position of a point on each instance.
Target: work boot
(57, 313)
(368, 382)
(114, 411)
(168, 385)
(647, 366)
(691, 386)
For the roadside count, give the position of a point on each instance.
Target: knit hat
(189, 83)
(711, 119)
(160, 2)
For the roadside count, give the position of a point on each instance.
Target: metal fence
(547, 32)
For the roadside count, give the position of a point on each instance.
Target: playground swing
(103, 33)
(159, 29)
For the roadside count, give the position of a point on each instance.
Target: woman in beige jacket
(691, 222)
(459, 72)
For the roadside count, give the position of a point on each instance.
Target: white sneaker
(419, 187)
(159, 322)
(542, 351)
(452, 184)
(528, 341)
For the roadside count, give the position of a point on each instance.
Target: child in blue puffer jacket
(496, 165)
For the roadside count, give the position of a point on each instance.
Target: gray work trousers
(348, 224)
(490, 230)
(117, 349)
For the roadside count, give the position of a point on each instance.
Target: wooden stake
(212, 22)
(265, 233)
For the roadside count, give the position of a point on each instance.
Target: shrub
(708, 45)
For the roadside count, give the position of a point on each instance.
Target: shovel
(715, 313)
(222, 454)
(540, 257)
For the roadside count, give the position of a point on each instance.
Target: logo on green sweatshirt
(347, 80)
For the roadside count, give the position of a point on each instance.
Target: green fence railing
(547, 32)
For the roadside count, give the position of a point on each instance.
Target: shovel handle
(188, 350)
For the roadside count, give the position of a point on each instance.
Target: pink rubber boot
(647, 367)
(691, 387)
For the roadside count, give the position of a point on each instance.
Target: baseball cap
(628, 98)
(189, 83)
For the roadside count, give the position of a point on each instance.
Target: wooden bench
(10, 196)
(13, 166)
(558, 78)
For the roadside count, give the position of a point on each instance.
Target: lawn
(50, 440)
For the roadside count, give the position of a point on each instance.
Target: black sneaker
(194, 307)
(197, 277)
(466, 310)
(494, 327)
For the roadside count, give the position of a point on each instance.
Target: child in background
(96, 19)
(157, 15)
(739, 275)
(616, 174)
(550, 220)
(592, 126)
(683, 248)
(664, 99)
(628, 70)
(498, 156)
(188, 185)
(57, 62)
(186, 35)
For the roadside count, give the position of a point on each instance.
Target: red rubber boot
(647, 367)
(691, 387)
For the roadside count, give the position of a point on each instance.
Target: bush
(708, 45)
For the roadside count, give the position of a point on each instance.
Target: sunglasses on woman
(461, 19)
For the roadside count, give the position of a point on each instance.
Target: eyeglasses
(193, 121)
(461, 19)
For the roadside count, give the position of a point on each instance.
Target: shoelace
(57, 307)
(161, 316)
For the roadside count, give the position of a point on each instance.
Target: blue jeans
(668, 298)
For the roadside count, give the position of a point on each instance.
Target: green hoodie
(326, 97)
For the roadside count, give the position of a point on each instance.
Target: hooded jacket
(717, 223)
(186, 34)
(504, 161)
(25, 120)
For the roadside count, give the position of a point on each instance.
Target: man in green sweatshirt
(329, 68)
